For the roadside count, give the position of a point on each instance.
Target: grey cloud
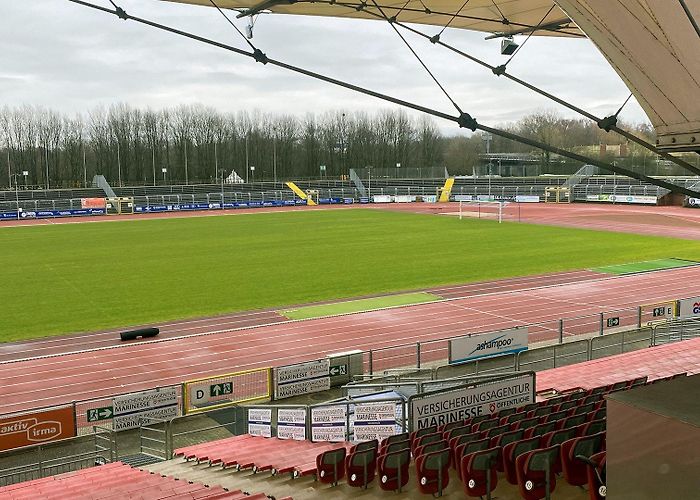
(59, 55)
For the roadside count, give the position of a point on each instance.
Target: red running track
(101, 373)
(80, 342)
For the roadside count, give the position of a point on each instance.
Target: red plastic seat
(503, 439)
(525, 423)
(540, 429)
(360, 467)
(466, 449)
(421, 432)
(485, 425)
(513, 417)
(330, 466)
(393, 470)
(536, 477)
(572, 421)
(511, 451)
(478, 471)
(365, 445)
(433, 472)
(451, 425)
(597, 489)
(394, 447)
(393, 439)
(456, 431)
(593, 427)
(431, 447)
(574, 469)
(433, 437)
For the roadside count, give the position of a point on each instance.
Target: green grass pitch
(82, 277)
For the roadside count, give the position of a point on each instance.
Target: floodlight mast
(464, 120)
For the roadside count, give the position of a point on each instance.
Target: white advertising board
(483, 345)
(382, 198)
(302, 378)
(522, 198)
(260, 422)
(374, 421)
(328, 423)
(463, 197)
(291, 423)
(689, 308)
(135, 420)
(454, 405)
(403, 198)
(136, 409)
(620, 198)
(694, 202)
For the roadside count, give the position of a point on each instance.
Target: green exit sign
(221, 389)
(97, 414)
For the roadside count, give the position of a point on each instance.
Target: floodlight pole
(119, 165)
(247, 167)
(222, 189)
(16, 193)
(274, 153)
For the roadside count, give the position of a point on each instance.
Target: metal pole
(418, 355)
(216, 168)
(46, 151)
(84, 169)
(561, 331)
(222, 190)
(601, 323)
(274, 155)
(639, 316)
(153, 162)
(119, 165)
(186, 175)
(247, 167)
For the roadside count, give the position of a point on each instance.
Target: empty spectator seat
(478, 471)
(330, 466)
(433, 471)
(536, 477)
(393, 470)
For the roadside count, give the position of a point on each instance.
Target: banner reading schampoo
(482, 345)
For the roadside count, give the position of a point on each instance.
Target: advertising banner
(374, 421)
(36, 428)
(302, 378)
(484, 345)
(260, 422)
(291, 423)
(617, 198)
(133, 410)
(454, 405)
(328, 423)
(92, 202)
(689, 308)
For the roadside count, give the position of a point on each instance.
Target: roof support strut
(463, 120)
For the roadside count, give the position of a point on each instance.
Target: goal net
(494, 210)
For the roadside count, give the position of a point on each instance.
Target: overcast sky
(67, 57)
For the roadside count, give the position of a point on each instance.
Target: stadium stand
(115, 481)
(564, 449)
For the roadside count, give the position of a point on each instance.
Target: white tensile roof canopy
(653, 45)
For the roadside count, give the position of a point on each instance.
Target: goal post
(482, 209)
(557, 194)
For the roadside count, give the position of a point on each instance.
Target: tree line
(197, 144)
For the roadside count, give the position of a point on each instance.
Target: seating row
(115, 481)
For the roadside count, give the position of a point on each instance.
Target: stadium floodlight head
(508, 46)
